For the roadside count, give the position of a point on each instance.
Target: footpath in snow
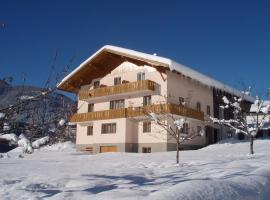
(220, 171)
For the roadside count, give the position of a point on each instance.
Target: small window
(140, 76)
(117, 80)
(117, 104)
(181, 101)
(91, 107)
(108, 128)
(96, 84)
(146, 127)
(146, 100)
(229, 134)
(221, 113)
(198, 106)
(89, 130)
(199, 129)
(185, 128)
(208, 110)
(146, 149)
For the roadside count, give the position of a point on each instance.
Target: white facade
(171, 88)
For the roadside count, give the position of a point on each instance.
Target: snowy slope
(221, 171)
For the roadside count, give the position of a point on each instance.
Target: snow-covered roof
(154, 60)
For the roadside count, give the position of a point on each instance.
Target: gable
(99, 65)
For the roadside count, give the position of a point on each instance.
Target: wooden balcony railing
(98, 115)
(117, 89)
(137, 112)
(165, 108)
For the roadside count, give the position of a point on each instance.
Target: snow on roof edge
(206, 80)
(172, 66)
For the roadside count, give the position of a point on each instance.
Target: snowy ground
(221, 171)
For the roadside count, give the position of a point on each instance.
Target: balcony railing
(118, 89)
(137, 112)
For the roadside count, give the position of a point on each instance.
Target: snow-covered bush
(11, 137)
(6, 127)
(25, 144)
(36, 144)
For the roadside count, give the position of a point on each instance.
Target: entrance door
(104, 149)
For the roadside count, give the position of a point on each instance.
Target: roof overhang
(103, 62)
(109, 57)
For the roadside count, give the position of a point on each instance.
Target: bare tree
(35, 107)
(246, 122)
(174, 126)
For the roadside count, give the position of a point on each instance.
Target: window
(185, 128)
(229, 134)
(117, 80)
(208, 110)
(146, 127)
(89, 130)
(181, 101)
(108, 128)
(199, 130)
(146, 149)
(117, 104)
(198, 106)
(140, 76)
(96, 84)
(220, 113)
(146, 100)
(91, 107)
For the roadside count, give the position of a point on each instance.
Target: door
(104, 149)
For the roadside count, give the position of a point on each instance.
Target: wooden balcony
(137, 112)
(144, 85)
(99, 115)
(165, 109)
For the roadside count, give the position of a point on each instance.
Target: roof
(109, 57)
(254, 107)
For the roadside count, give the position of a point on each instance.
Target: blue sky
(227, 40)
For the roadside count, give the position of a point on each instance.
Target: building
(263, 118)
(116, 87)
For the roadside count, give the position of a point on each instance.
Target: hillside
(34, 117)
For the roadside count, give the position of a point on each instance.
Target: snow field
(220, 171)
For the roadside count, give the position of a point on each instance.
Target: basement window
(146, 149)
